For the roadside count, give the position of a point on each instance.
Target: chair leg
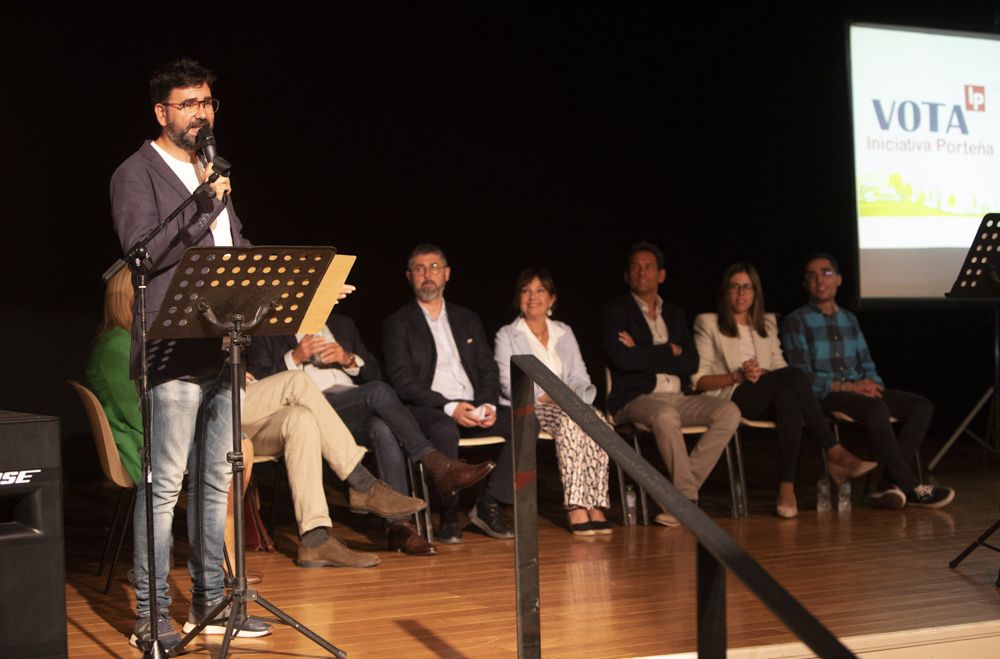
(418, 489)
(733, 477)
(745, 497)
(643, 501)
(121, 538)
(111, 530)
(412, 477)
(429, 530)
(621, 494)
(280, 476)
(742, 501)
(834, 488)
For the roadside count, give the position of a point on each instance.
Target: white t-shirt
(221, 231)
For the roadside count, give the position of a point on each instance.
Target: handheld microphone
(206, 145)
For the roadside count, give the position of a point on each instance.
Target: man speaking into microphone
(189, 392)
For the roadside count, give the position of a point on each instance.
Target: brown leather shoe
(254, 577)
(450, 476)
(403, 536)
(334, 553)
(384, 502)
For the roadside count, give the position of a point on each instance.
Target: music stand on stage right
(979, 280)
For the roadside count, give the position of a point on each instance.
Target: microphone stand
(136, 257)
(138, 260)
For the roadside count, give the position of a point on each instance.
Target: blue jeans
(192, 430)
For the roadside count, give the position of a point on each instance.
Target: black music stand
(236, 292)
(981, 541)
(979, 280)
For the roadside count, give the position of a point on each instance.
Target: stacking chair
(418, 482)
(741, 486)
(114, 471)
(734, 460)
(252, 516)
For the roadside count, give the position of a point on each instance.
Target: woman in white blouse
(583, 465)
(740, 358)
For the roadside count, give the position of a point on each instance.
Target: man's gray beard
(426, 295)
(184, 140)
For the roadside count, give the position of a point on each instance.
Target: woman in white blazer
(740, 358)
(583, 465)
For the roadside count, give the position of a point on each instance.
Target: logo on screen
(975, 98)
(912, 116)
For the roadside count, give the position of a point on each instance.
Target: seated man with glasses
(826, 342)
(440, 362)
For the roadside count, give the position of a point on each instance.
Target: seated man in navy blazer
(350, 377)
(652, 356)
(439, 360)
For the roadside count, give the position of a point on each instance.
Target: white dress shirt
(450, 378)
(665, 382)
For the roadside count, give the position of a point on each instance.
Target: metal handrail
(717, 551)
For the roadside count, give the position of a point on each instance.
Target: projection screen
(926, 153)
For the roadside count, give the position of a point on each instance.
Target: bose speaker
(32, 566)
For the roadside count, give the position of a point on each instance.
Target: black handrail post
(525, 439)
(715, 543)
(711, 586)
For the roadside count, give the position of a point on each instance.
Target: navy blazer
(411, 357)
(267, 353)
(144, 190)
(633, 370)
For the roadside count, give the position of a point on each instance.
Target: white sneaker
(249, 627)
(892, 498)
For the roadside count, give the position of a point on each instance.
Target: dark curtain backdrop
(511, 136)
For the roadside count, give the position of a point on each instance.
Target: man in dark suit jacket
(651, 357)
(350, 377)
(439, 360)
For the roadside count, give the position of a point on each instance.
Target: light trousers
(665, 414)
(286, 414)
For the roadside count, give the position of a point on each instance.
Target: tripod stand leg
(297, 626)
(981, 540)
(238, 612)
(961, 428)
(219, 608)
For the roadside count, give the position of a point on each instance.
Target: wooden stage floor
(630, 594)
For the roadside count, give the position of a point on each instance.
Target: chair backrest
(481, 441)
(107, 450)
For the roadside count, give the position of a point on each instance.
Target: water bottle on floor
(630, 516)
(823, 495)
(844, 497)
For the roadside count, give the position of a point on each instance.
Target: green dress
(107, 377)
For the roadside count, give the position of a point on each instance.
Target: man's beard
(183, 139)
(430, 293)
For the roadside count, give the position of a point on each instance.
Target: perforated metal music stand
(238, 292)
(978, 282)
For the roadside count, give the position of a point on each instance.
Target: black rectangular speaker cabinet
(32, 565)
